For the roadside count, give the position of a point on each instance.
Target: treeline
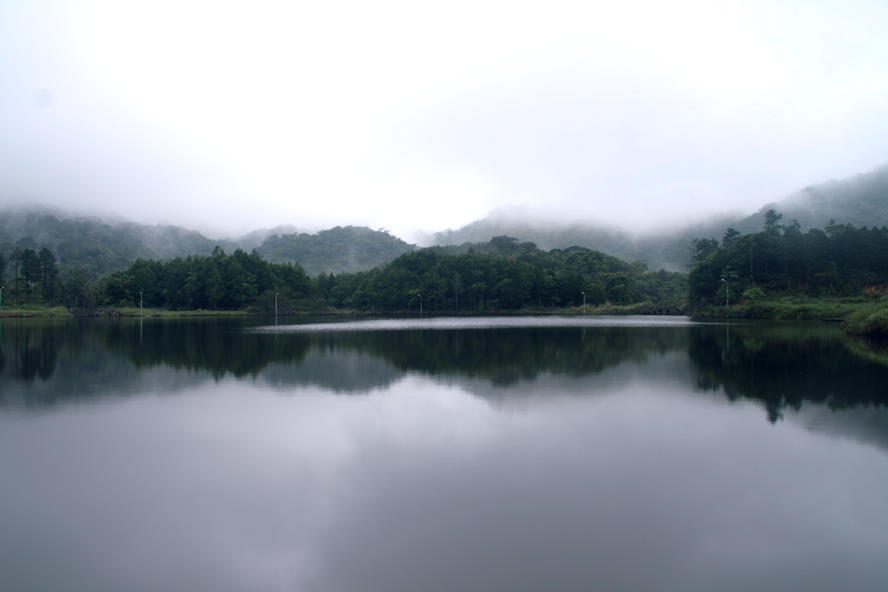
(839, 260)
(214, 282)
(502, 274)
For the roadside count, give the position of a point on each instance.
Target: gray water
(456, 454)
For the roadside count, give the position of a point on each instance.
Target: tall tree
(730, 238)
(772, 222)
(49, 274)
(30, 269)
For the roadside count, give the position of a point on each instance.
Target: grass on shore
(869, 321)
(34, 310)
(788, 308)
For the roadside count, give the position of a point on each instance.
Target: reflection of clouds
(423, 486)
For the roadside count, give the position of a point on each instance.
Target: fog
(231, 117)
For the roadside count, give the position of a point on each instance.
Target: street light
(140, 304)
(276, 305)
(584, 301)
(420, 305)
(727, 290)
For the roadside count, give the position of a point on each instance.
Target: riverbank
(643, 308)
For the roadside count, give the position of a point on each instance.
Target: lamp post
(727, 290)
(420, 305)
(584, 301)
(140, 304)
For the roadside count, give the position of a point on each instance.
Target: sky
(418, 116)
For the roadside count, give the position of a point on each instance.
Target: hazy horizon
(227, 118)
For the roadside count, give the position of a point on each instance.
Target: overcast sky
(412, 115)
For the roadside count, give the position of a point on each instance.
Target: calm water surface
(443, 454)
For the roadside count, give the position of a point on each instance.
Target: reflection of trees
(41, 364)
(785, 369)
(505, 356)
(218, 347)
(32, 353)
(99, 358)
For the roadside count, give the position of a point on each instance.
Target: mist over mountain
(861, 200)
(337, 250)
(94, 245)
(98, 246)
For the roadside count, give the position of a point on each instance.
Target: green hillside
(861, 200)
(343, 249)
(95, 246)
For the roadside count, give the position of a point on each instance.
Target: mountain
(98, 247)
(861, 200)
(341, 249)
(545, 235)
(94, 245)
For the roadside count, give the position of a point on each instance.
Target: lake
(553, 453)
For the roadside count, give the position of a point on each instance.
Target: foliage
(870, 321)
(781, 260)
(502, 274)
(217, 282)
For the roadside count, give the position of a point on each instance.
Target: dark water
(480, 454)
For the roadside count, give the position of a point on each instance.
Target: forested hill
(98, 247)
(94, 246)
(839, 260)
(861, 200)
(343, 249)
(546, 236)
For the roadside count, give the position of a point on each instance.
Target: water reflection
(514, 458)
(780, 366)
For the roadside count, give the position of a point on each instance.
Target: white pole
(140, 303)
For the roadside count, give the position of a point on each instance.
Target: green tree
(49, 275)
(30, 270)
(772, 222)
(730, 238)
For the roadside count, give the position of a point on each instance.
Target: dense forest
(839, 260)
(500, 275)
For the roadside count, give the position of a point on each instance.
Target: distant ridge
(98, 246)
(861, 200)
(92, 244)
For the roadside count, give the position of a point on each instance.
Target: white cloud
(405, 115)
